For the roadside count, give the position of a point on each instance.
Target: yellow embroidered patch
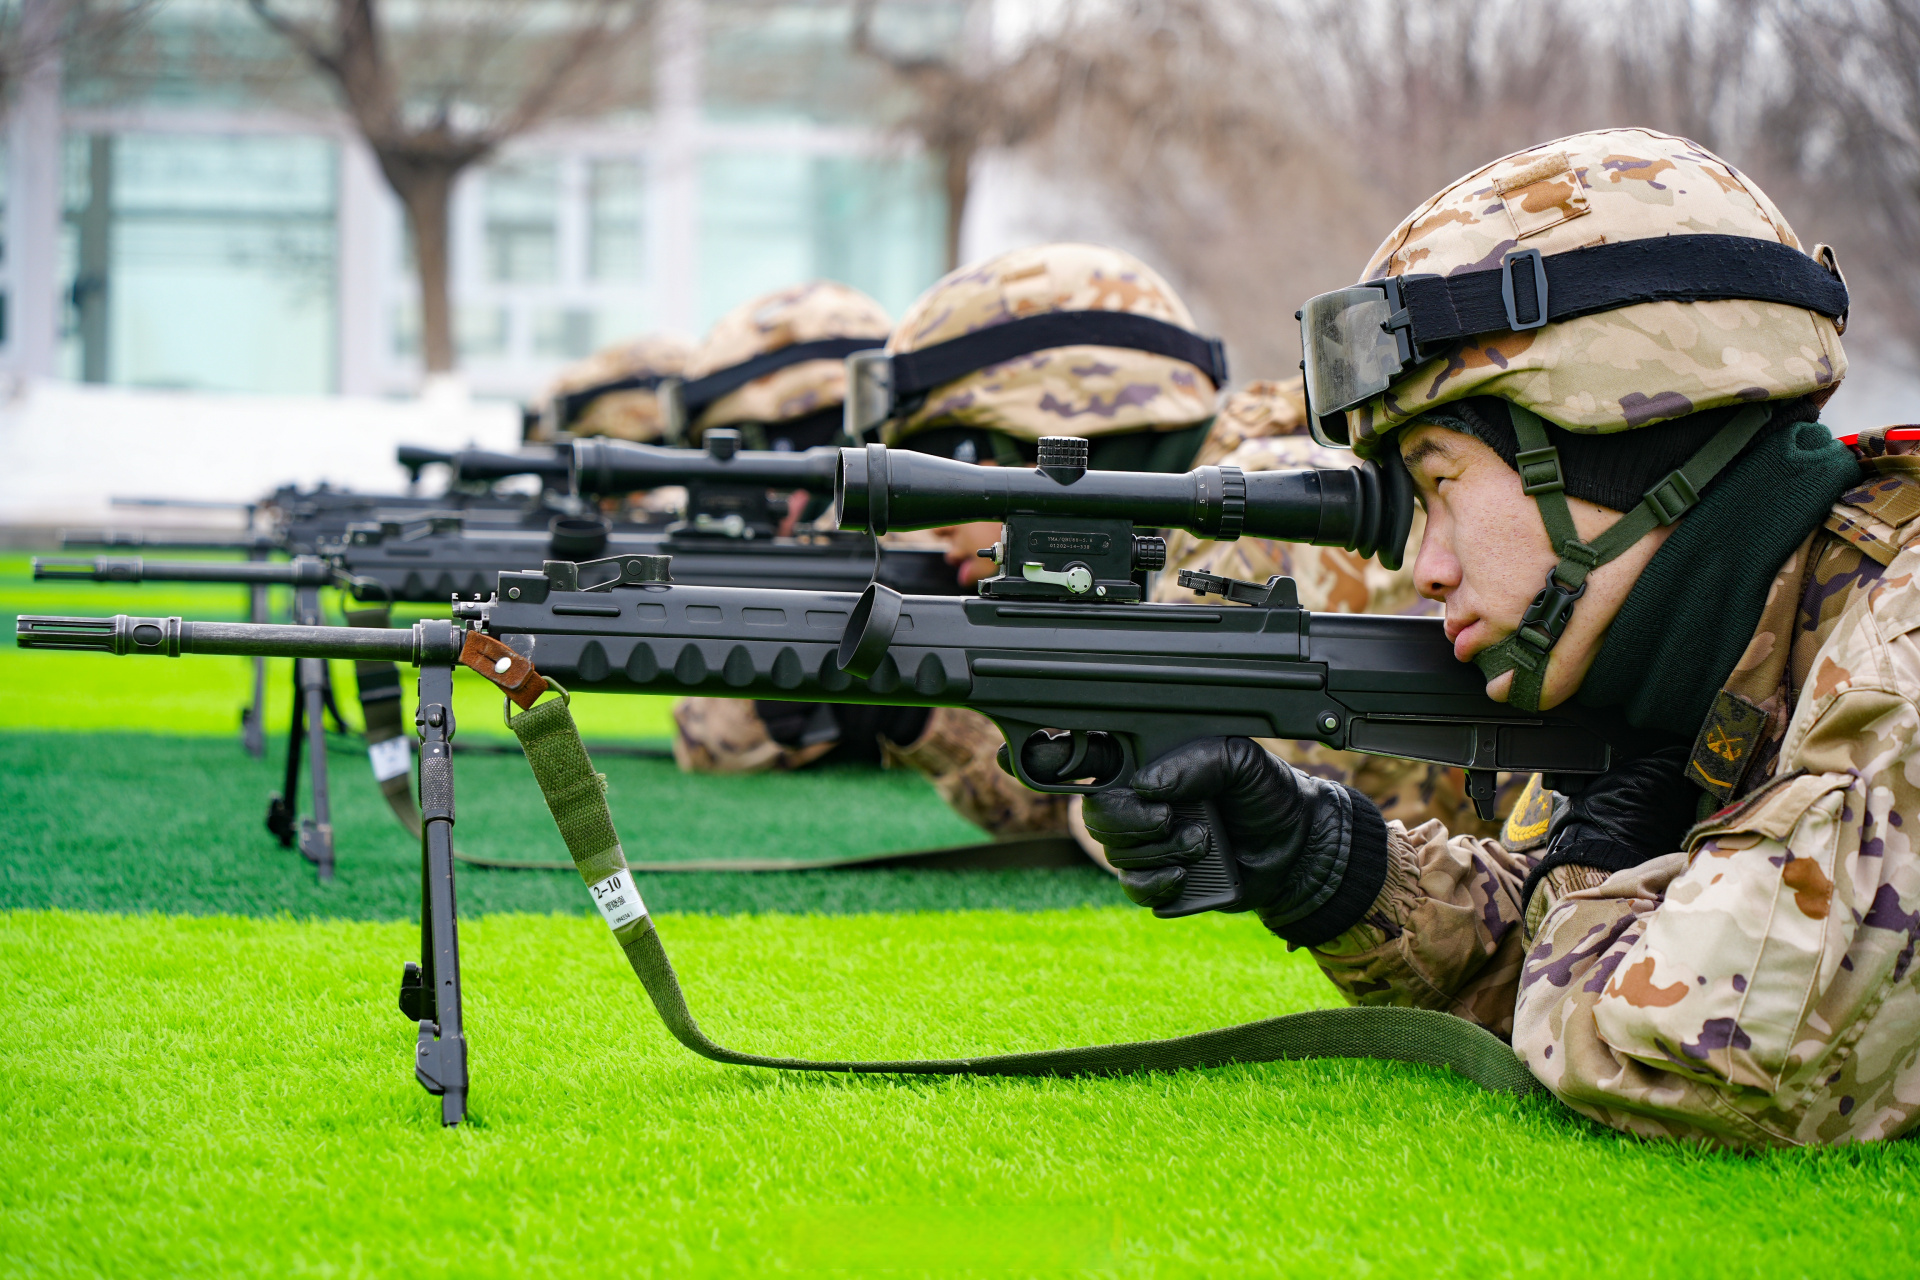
(1725, 745)
(1531, 818)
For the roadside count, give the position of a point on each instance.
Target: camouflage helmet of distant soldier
(817, 323)
(614, 391)
(1077, 386)
(1600, 283)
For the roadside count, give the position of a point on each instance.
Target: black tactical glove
(1312, 854)
(1634, 812)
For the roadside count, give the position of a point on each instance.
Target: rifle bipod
(430, 990)
(312, 700)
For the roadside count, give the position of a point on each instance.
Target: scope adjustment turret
(1149, 553)
(1063, 454)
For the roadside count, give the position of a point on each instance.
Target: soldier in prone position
(613, 392)
(1714, 941)
(1264, 428)
(797, 406)
(1140, 410)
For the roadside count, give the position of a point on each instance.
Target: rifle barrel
(430, 641)
(78, 539)
(301, 571)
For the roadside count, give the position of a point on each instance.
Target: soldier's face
(1485, 555)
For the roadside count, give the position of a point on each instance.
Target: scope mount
(1071, 558)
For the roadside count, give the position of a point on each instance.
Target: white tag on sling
(391, 759)
(618, 899)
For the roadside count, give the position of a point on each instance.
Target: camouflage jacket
(1757, 987)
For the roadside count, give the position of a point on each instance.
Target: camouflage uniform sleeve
(1444, 932)
(1758, 989)
(726, 735)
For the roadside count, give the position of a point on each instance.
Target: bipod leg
(280, 810)
(326, 694)
(316, 832)
(253, 721)
(430, 990)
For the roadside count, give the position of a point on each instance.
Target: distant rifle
(481, 466)
(438, 561)
(1085, 687)
(730, 491)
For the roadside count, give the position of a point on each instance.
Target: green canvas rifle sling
(576, 796)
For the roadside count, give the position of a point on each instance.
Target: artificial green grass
(138, 823)
(221, 1096)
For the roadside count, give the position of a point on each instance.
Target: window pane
(793, 59)
(218, 256)
(619, 322)
(565, 333)
(480, 331)
(522, 212)
(771, 219)
(617, 214)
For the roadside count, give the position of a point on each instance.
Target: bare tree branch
(32, 32)
(470, 78)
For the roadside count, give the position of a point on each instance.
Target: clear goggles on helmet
(1354, 343)
(1357, 342)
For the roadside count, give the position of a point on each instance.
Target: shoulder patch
(1874, 538)
(1725, 746)
(1531, 820)
(1875, 515)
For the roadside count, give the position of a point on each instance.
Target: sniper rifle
(1086, 686)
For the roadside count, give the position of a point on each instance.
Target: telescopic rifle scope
(1068, 532)
(481, 466)
(613, 468)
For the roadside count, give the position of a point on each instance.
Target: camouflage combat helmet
(1258, 411)
(1602, 282)
(1082, 388)
(781, 357)
(613, 392)
(1618, 368)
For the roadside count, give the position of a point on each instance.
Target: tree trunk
(427, 194)
(958, 181)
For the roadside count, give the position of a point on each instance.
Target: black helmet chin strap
(1527, 651)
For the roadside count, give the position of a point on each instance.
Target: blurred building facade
(182, 219)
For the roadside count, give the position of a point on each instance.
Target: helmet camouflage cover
(1079, 390)
(802, 313)
(632, 414)
(1262, 412)
(1615, 370)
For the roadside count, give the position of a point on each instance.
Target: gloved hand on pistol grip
(1311, 854)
